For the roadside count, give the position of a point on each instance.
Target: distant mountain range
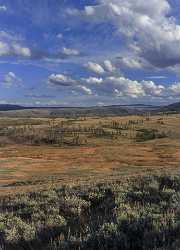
(174, 107)
(17, 110)
(6, 107)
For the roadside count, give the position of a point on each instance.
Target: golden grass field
(23, 166)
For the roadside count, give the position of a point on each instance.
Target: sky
(89, 52)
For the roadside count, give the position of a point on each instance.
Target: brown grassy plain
(23, 166)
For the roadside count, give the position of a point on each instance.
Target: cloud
(11, 45)
(14, 45)
(4, 48)
(55, 55)
(175, 89)
(70, 52)
(120, 86)
(19, 50)
(59, 36)
(39, 96)
(156, 77)
(61, 80)
(114, 86)
(72, 84)
(93, 80)
(148, 28)
(11, 79)
(104, 67)
(95, 67)
(152, 89)
(84, 89)
(14, 50)
(131, 62)
(72, 11)
(3, 8)
(108, 66)
(89, 10)
(134, 89)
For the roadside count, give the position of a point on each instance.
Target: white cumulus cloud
(109, 66)
(93, 80)
(95, 67)
(61, 80)
(84, 89)
(148, 27)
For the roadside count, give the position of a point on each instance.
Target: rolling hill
(112, 110)
(174, 107)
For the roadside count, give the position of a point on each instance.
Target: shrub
(141, 213)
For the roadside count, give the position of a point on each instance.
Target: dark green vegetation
(67, 132)
(139, 213)
(75, 132)
(149, 134)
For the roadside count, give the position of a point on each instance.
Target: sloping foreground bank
(139, 213)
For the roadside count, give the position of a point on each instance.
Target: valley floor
(27, 166)
(24, 166)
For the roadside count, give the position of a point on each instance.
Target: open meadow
(37, 151)
(90, 183)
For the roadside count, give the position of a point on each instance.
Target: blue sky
(85, 52)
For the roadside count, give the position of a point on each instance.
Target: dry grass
(101, 158)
